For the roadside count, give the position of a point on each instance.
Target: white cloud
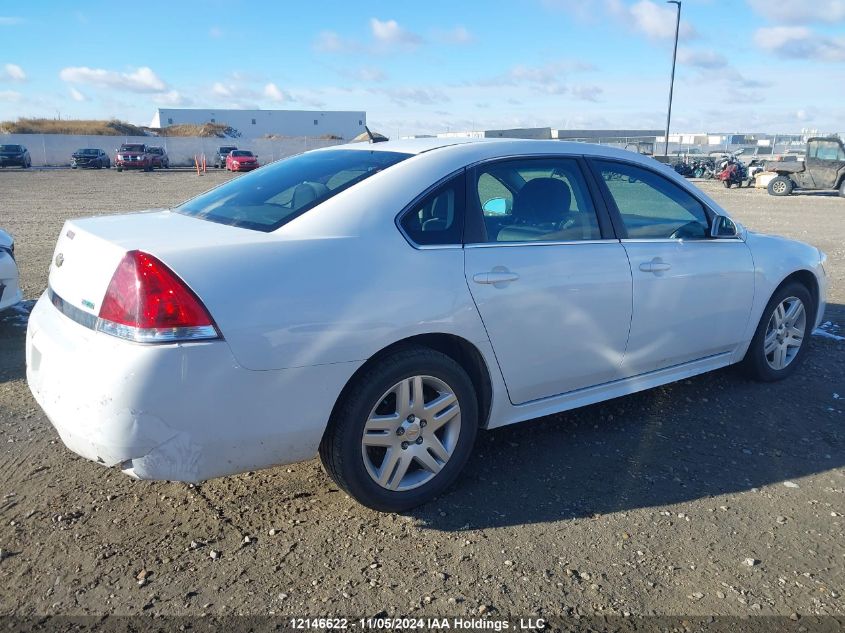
(457, 35)
(656, 21)
(369, 74)
(12, 72)
(331, 42)
(140, 80)
(76, 95)
(418, 96)
(215, 32)
(800, 42)
(389, 33)
(586, 93)
(6, 20)
(221, 90)
(10, 95)
(171, 98)
(273, 92)
(709, 60)
(830, 11)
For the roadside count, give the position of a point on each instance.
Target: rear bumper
(179, 412)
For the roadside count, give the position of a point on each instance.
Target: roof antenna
(372, 136)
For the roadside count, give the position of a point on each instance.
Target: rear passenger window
(535, 200)
(439, 218)
(651, 206)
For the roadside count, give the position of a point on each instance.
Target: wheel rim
(785, 333)
(411, 433)
(779, 186)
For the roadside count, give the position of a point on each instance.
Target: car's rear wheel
(780, 186)
(780, 342)
(403, 430)
(842, 189)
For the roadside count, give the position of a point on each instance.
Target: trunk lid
(89, 250)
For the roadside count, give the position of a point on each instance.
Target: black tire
(341, 448)
(727, 184)
(755, 363)
(119, 168)
(780, 186)
(842, 189)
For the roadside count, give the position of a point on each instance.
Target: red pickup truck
(133, 156)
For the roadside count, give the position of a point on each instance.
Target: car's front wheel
(780, 342)
(403, 430)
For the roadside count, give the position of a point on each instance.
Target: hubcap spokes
(785, 333)
(411, 433)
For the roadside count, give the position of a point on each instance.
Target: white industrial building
(259, 123)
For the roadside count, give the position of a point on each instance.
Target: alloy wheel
(785, 333)
(411, 433)
(779, 186)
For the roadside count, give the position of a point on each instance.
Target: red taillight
(147, 302)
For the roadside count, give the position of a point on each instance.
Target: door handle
(495, 277)
(656, 265)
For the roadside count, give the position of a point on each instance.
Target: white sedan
(10, 291)
(379, 304)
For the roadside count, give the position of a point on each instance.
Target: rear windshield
(274, 195)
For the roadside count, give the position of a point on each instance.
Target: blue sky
(744, 65)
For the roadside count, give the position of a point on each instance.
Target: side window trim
(412, 206)
(616, 216)
(475, 231)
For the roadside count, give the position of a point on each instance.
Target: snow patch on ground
(829, 330)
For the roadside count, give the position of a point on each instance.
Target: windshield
(226, 150)
(88, 152)
(241, 152)
(274, 195)
(155, 150)
(131, 148)
(10, 148)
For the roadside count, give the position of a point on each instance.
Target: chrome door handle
(495, 277)
(656, 265)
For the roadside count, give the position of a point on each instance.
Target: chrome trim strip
(128, 332)
(538, 243)
(668, 240)
(85, 319)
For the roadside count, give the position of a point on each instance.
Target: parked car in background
(451, 285)
(133, 156)
(159, 157)
(221, 154)
(15, 155)
(90, 157)
(241, 160)
(10, 291)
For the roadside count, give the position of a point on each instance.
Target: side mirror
(724, 227)
(496, 206)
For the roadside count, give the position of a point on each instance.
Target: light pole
(672, 80)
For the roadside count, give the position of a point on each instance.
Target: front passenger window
(651, 206)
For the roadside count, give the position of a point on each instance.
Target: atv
(823, 168)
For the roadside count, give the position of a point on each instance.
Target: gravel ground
(713, 496)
